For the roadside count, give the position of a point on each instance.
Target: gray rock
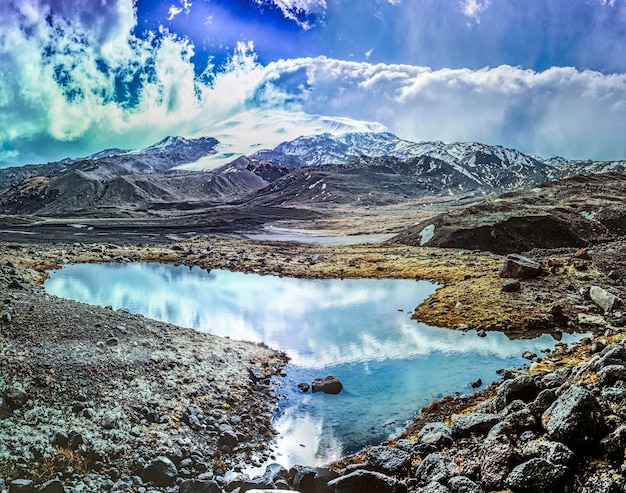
(575, 418)
(537, 476)
(475, 423)
(22, 486)
(199, 486)
(611, 374)
(600, 485)
(367, 482)
(436, 467)
(388, 460)
(229, 438)
(160, 472)
(304, 479)
(605, 300)
(304, 387)
(462, 484)
(523, 388)
(497, 459)
(437, 434)
(329, 385)
(614, 395)
(519, 267)
(256, 375)
(52, 486)
(6, 317)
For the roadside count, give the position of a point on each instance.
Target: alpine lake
(359, 330)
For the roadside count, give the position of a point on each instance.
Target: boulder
(519, 267)
(361, 481)
(537, 476)
(304, 387)
(511, 286)
(615, 443)
(554, 452)
(160, 472)
(22, 486)
(437, 434)
(436, 467)
(15, 397)
(574, 418)
(475, 423)
(388, 460)
(328, 385)
(497, 459)
(605, 300)
(304, 479)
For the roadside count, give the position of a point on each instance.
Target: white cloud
(474, 8)
(185, 6)
(76, 83)
(302, 12)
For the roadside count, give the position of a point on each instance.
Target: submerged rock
(329, 385)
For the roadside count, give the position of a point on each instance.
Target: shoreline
(466, 273)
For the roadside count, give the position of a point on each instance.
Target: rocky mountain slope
(576, 211)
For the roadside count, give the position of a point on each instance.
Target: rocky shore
(101, 400)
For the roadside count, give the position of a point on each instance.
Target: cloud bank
(74, 79)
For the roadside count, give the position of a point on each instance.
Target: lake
(357, 329)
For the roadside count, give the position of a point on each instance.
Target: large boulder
(328, 385)
(574, 418)
(462, 484)
(517, 266)
(361, 481)
(475, 423)
(537, 476)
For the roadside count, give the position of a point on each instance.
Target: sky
(546, 77)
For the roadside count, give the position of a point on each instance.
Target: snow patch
(426, 234)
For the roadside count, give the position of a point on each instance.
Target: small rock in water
(329, 385)
(529, 355)
(304, 387)
(476, 383)
(481, 333)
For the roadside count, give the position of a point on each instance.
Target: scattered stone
(361, 481)
(22, 486)
(610, 374)
(6, 317)
(388, 460)
(529, 355)
(304, 387)
(160, 472)
(434, 487)
(329, 385)
(511, 286)
(583, 254)
(604, 299)
(481, 333)
(575, 417)
(519, 267)
(580, 265)
(537, 476)
(256, 375)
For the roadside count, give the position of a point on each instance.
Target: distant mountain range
(366, 168)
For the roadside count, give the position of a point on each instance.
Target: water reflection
(359, 330)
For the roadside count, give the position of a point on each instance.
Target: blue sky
(547, 77)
